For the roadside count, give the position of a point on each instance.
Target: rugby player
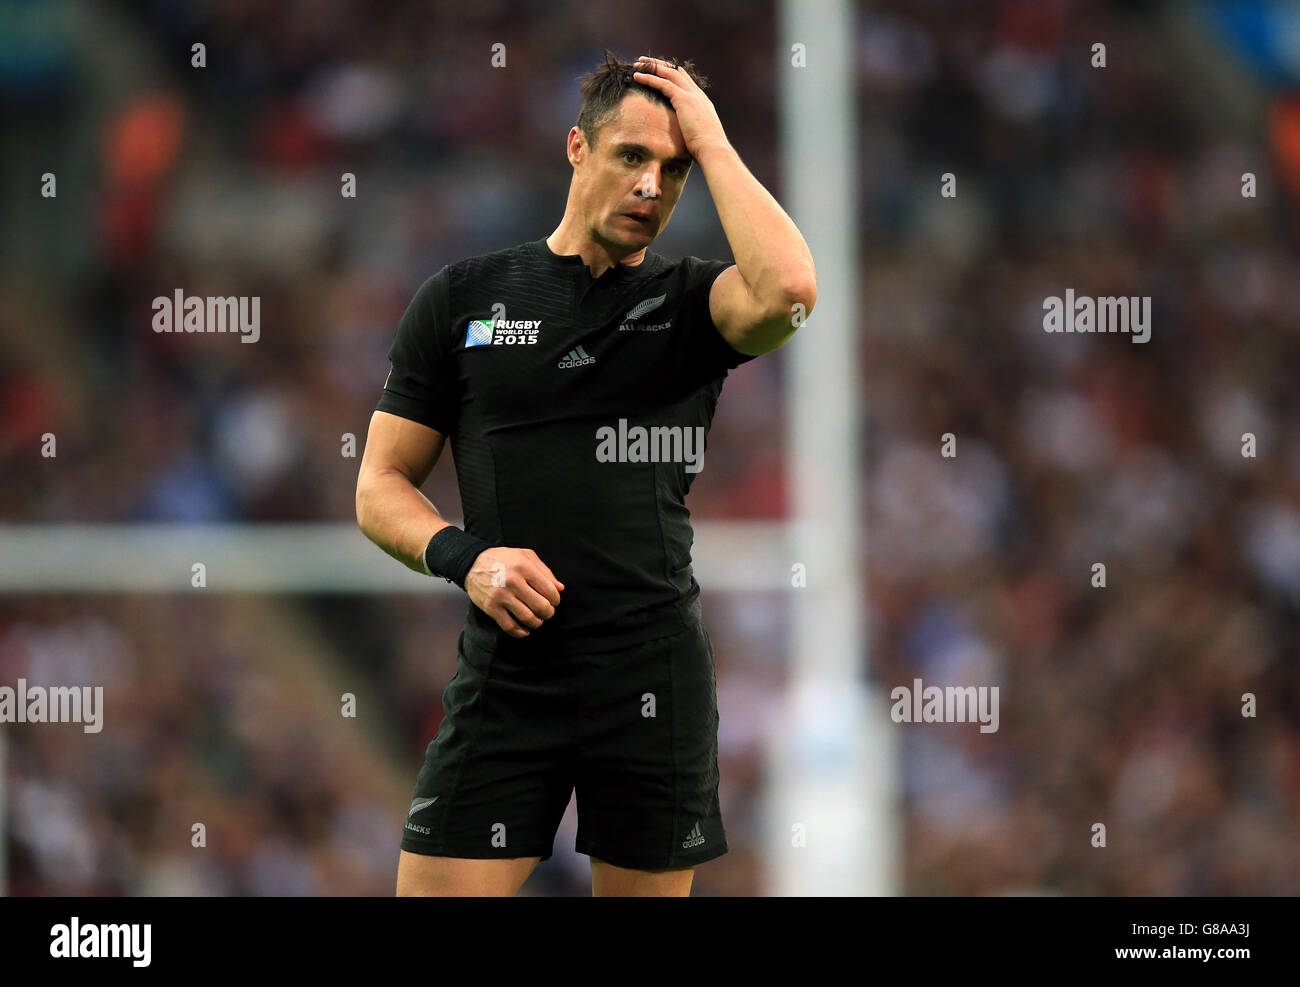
(584, 663)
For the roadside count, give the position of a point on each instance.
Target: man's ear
(577, 145)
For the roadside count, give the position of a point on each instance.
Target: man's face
(628, 184)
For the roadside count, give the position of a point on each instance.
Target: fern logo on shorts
(418, 804)
(693, 838)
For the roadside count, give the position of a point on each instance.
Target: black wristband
(451, 554)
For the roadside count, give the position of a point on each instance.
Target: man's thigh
(647, 759)
(421, 875)
(497, 777)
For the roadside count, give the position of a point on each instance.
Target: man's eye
(631, 154)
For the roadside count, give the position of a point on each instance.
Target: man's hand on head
(701, 128)
(513, 587)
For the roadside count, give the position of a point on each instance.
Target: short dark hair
(604, 89)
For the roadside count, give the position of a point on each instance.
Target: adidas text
(693, 838)
(576, 357)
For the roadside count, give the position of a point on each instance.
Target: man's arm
(511, 585)
(392, 512)
(753, 304)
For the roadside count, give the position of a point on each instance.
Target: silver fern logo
(644, 308)
(641, 308)
(418, 805)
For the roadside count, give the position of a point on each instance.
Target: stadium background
(225, 180)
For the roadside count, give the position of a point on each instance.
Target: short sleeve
(705, 343)
(422, 385)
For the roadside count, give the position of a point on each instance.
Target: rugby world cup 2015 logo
(502, 332)
(479, 334)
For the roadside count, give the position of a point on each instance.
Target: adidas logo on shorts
(693, 838)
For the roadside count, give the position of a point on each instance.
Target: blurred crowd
(214, 772)
(1120, 705)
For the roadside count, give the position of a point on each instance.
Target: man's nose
(648, 187)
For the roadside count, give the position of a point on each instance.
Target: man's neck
(567, 240)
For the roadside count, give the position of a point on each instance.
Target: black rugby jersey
(549, 384)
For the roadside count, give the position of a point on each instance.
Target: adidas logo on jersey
(693, 838)
(576, 357)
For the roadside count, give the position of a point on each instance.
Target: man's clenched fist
(513, 587)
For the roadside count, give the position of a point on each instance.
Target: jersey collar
(573, 262)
